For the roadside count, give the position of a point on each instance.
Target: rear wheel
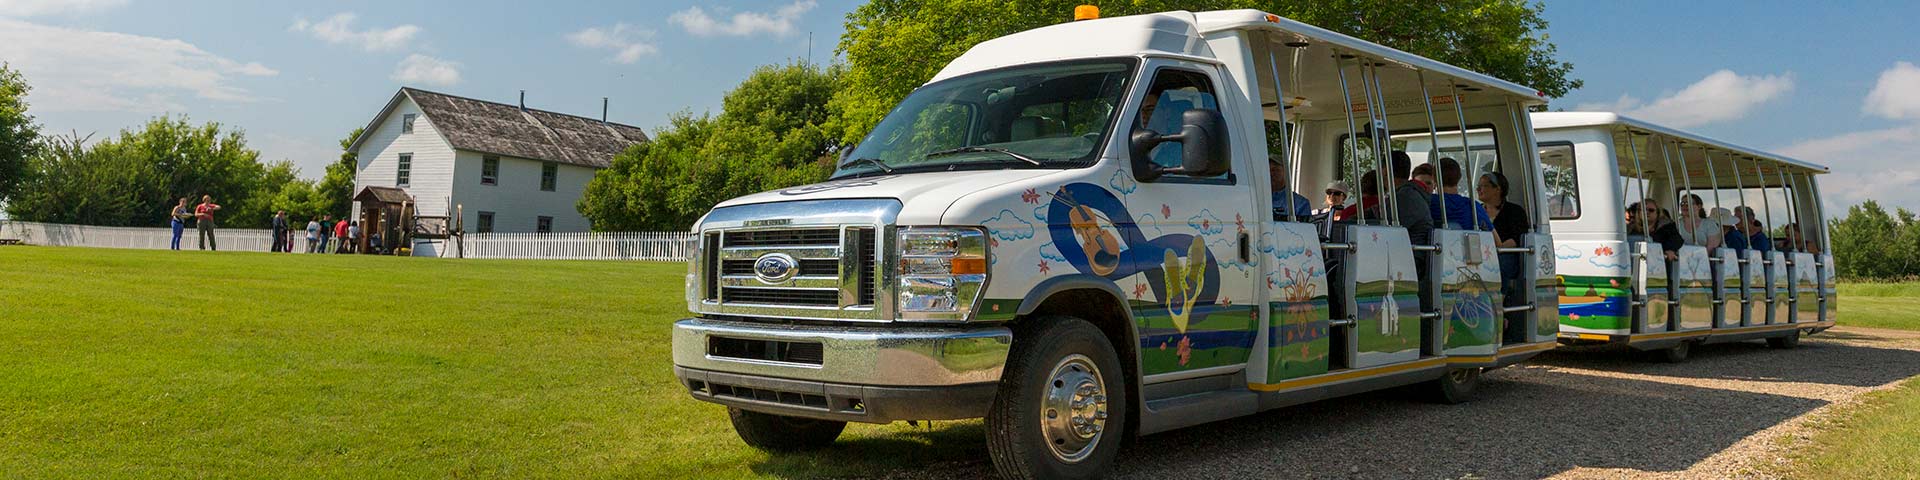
(780, 433)
(1674, 354)
(1062, 406)
(1455, 387)
(1785, 341)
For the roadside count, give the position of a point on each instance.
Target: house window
(545, 225)
(406, 123)
(548, 174)
(406, 170)
(490, 170)
(485, 224)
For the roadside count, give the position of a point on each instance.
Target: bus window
(1563, 185)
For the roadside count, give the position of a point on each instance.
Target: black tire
(1456, 387)
(780, 433)
(1785, 342)
(1050, 355)
(1674, 354)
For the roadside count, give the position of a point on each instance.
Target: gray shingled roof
(502, 129)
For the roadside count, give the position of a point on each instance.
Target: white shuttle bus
(1666, 239)
(1088, 231)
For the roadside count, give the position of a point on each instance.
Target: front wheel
(1062, 406)
(780, 433)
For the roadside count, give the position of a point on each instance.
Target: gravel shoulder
(1731, 411)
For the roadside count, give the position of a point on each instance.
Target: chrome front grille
(838, 271)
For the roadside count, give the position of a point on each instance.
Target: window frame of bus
(1153, 76)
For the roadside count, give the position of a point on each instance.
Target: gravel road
(1726, 413)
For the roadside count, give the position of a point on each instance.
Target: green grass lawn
(126, 363)
(1878, 439)
(1880, 305)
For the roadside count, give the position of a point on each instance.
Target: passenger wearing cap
(1729, 237)
(1336, 198)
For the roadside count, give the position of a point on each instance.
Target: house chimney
(523, 100)
(603, 109)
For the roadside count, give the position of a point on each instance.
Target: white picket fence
(661, 246)
(54, 234)
(664, 246)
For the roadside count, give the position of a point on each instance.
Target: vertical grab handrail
(1353, 142)
(1286, 145)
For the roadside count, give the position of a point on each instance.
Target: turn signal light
(1085, 12)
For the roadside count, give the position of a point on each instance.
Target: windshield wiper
(875, 161)
(957, 151)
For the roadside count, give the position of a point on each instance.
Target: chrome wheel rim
(1073, 414)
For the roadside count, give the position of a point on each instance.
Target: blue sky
(1792, 78)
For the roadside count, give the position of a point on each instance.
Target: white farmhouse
(508, 168)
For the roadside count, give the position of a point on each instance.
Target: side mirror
(1204, 147)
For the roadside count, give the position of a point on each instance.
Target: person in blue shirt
(1756, 236)
(1462, 213)
(1282, 196)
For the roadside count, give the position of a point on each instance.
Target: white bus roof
(1568, 120)
(1182, 34)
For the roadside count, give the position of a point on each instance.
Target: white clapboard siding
(429, 173)
(661, 246)
(53, 234)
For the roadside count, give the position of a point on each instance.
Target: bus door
(1200, 318)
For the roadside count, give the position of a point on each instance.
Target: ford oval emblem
(775, 268)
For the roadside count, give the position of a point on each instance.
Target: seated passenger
(1510, 220)
(1283, 195)
(1369, 200)
(1696, 228)
(1730, 237)
(1645, 216)
(1461, 213)
(1336, 200)
(1750, 227)
(1411, 202)
(1424, 175)
(1510, 223)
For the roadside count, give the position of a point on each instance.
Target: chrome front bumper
(865, 373)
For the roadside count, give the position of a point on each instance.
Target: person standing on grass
(313, 233)
(179, 220)
(340, 236)
(203, 215)
(326, 232)
(353, 237)
(279, 231)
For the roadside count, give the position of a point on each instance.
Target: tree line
(133, 178)
(785, 124)
(1873, 244)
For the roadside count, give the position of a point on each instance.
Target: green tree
(334, 194)
(1867, 243)
(768, 135)
(164, 160)
(894, 46)
(18, 134)
(66, 182)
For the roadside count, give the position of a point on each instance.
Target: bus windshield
(1042, 116)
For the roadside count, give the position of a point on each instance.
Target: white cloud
(1871, 164)
(1722, 95)
(628, 43)
(779, 22)
(338, 29)
(35, 8)
(1897, 95)
(84, 70)
(417, 68)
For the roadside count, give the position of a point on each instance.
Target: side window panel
(1172, 93)
(1563, 185)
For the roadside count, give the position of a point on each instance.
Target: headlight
(941, 272)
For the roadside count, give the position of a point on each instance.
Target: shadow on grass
(936, 449)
